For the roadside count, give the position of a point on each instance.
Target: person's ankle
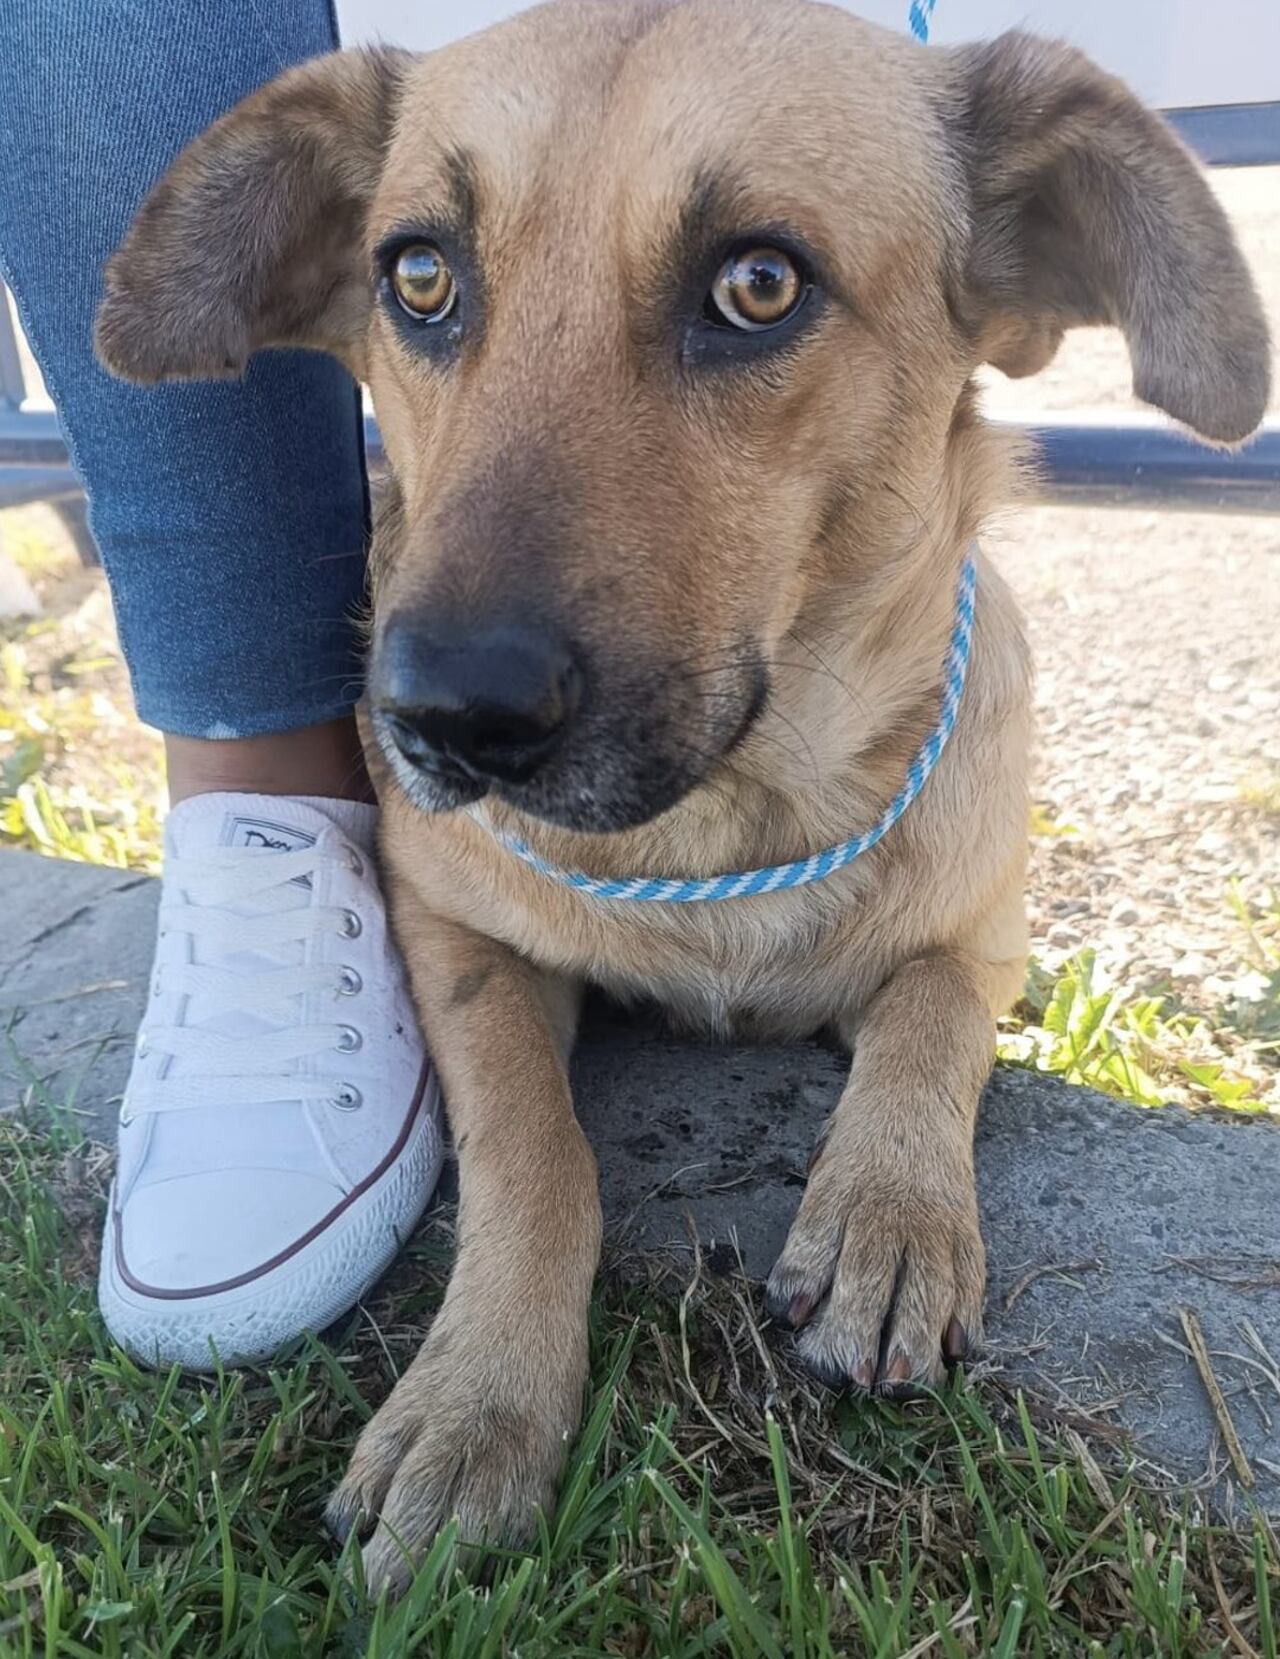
(324, 761)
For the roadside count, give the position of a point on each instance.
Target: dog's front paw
(882, 1276)
(474, 1432)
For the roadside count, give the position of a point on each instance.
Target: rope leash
(801, 872)
(919, 14)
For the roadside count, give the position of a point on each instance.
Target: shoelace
(263, 1067)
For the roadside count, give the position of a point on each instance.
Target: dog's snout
(495, 703)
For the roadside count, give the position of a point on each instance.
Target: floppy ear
(254, 236)
(1085, 208)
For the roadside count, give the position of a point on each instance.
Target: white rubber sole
(309, 1291)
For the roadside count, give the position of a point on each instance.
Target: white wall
(1173, 52)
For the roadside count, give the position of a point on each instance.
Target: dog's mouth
(626, 757)
(437, 784)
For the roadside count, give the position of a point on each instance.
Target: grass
(111, 818)
(1261, 790)
(79, 778)
(1078, 1025)
(753, 1515)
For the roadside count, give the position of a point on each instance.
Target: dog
(670, 310)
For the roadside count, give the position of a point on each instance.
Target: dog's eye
(756, 289)
(423, 283)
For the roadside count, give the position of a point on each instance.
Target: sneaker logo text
(256, 838)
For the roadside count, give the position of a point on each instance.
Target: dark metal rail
(1132, 463)
(1231, 135)
(1147, 463)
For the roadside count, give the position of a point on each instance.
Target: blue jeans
(231, 518)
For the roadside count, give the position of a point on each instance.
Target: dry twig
(1200, 1354)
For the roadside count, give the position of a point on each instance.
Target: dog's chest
(740, 970)
(775, 967)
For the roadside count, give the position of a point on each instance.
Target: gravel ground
(1157, 644)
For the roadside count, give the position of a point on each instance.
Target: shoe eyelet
(349, 1040)
(348, 1098)
(352, 927)
(350, 983)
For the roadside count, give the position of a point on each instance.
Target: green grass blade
(753, 1634)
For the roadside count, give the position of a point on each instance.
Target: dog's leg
(478, 1426)
(883, 1270)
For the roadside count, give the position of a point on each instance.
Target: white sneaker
(280, 1134)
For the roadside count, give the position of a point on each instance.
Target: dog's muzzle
(489, 707)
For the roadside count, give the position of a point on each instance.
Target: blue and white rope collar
(773, 878)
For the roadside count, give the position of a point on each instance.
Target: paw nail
(956, 1341)
(899, 1368)
(864, 1374)
(800, 1307)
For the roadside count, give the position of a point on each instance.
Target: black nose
(495, 703)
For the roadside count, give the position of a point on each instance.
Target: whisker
(858, 702)
(911, 507)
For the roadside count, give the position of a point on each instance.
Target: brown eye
(758, 288)
(423, 283)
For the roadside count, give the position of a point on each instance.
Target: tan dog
(670, 313)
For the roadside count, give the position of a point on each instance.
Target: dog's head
(668, 311)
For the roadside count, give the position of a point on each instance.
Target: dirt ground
(1157, 643)
(1158, 690)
